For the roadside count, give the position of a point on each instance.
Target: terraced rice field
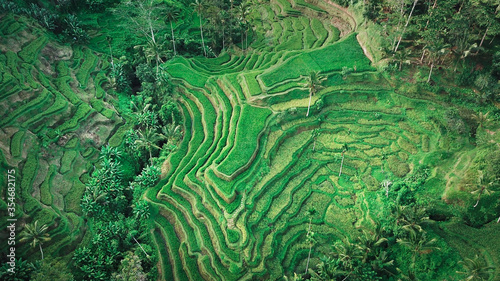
(54, 117)
(233, 200)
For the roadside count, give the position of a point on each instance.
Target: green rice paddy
(50, 129)
(233, 203)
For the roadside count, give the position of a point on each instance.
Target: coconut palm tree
(475, 269)
(370, 240)
(347, 253)
(152, 52)
(199, 7)
(402, 57)
(386, 184)
(311, 240)
(313, 83)
(482, 187)
(172, 133)
(482, 119)
(418, 244)
(243, 10)
(109, 152)
(310, 213)
(148, 140)
(437, 49)
(406, 25)
(172, 15)
(35, 234)
(344, 150)
(413, 217)
(328, 270)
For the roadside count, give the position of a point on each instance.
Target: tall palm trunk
(430, 72)
(341, 164)
(309, 106)
(223, 37)
(173, 39)
(202, 40)
(422, 57)
(41, 251)
(399, 24)
(144, 251)
(406, 25)
(246, 38)
(430, 14)
(484, 35)
(309, 257)
(479, 197)
(310, 246)
(111, 54)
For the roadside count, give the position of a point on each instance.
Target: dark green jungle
(250, 140)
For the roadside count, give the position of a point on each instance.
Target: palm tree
(199, 6)
(386, 184)
(483, 187)
(311, 240)
(402, 57)
(310, 235)
(436, 50)
(413, 217)
(418, 244)
(310, 213)
(109, 39)
(328, 270)
(148, 140)
(370, 240)
(475, 269)
(152, 51)
(35, 234)
(313, 83)
(406, 25)
(109, 152)
(482, 119)
(344, 149)
(172, 133)
(243, 11)
(172, 15)
(347, 253)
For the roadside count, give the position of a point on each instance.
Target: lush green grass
(332, 58)
(249, 127)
